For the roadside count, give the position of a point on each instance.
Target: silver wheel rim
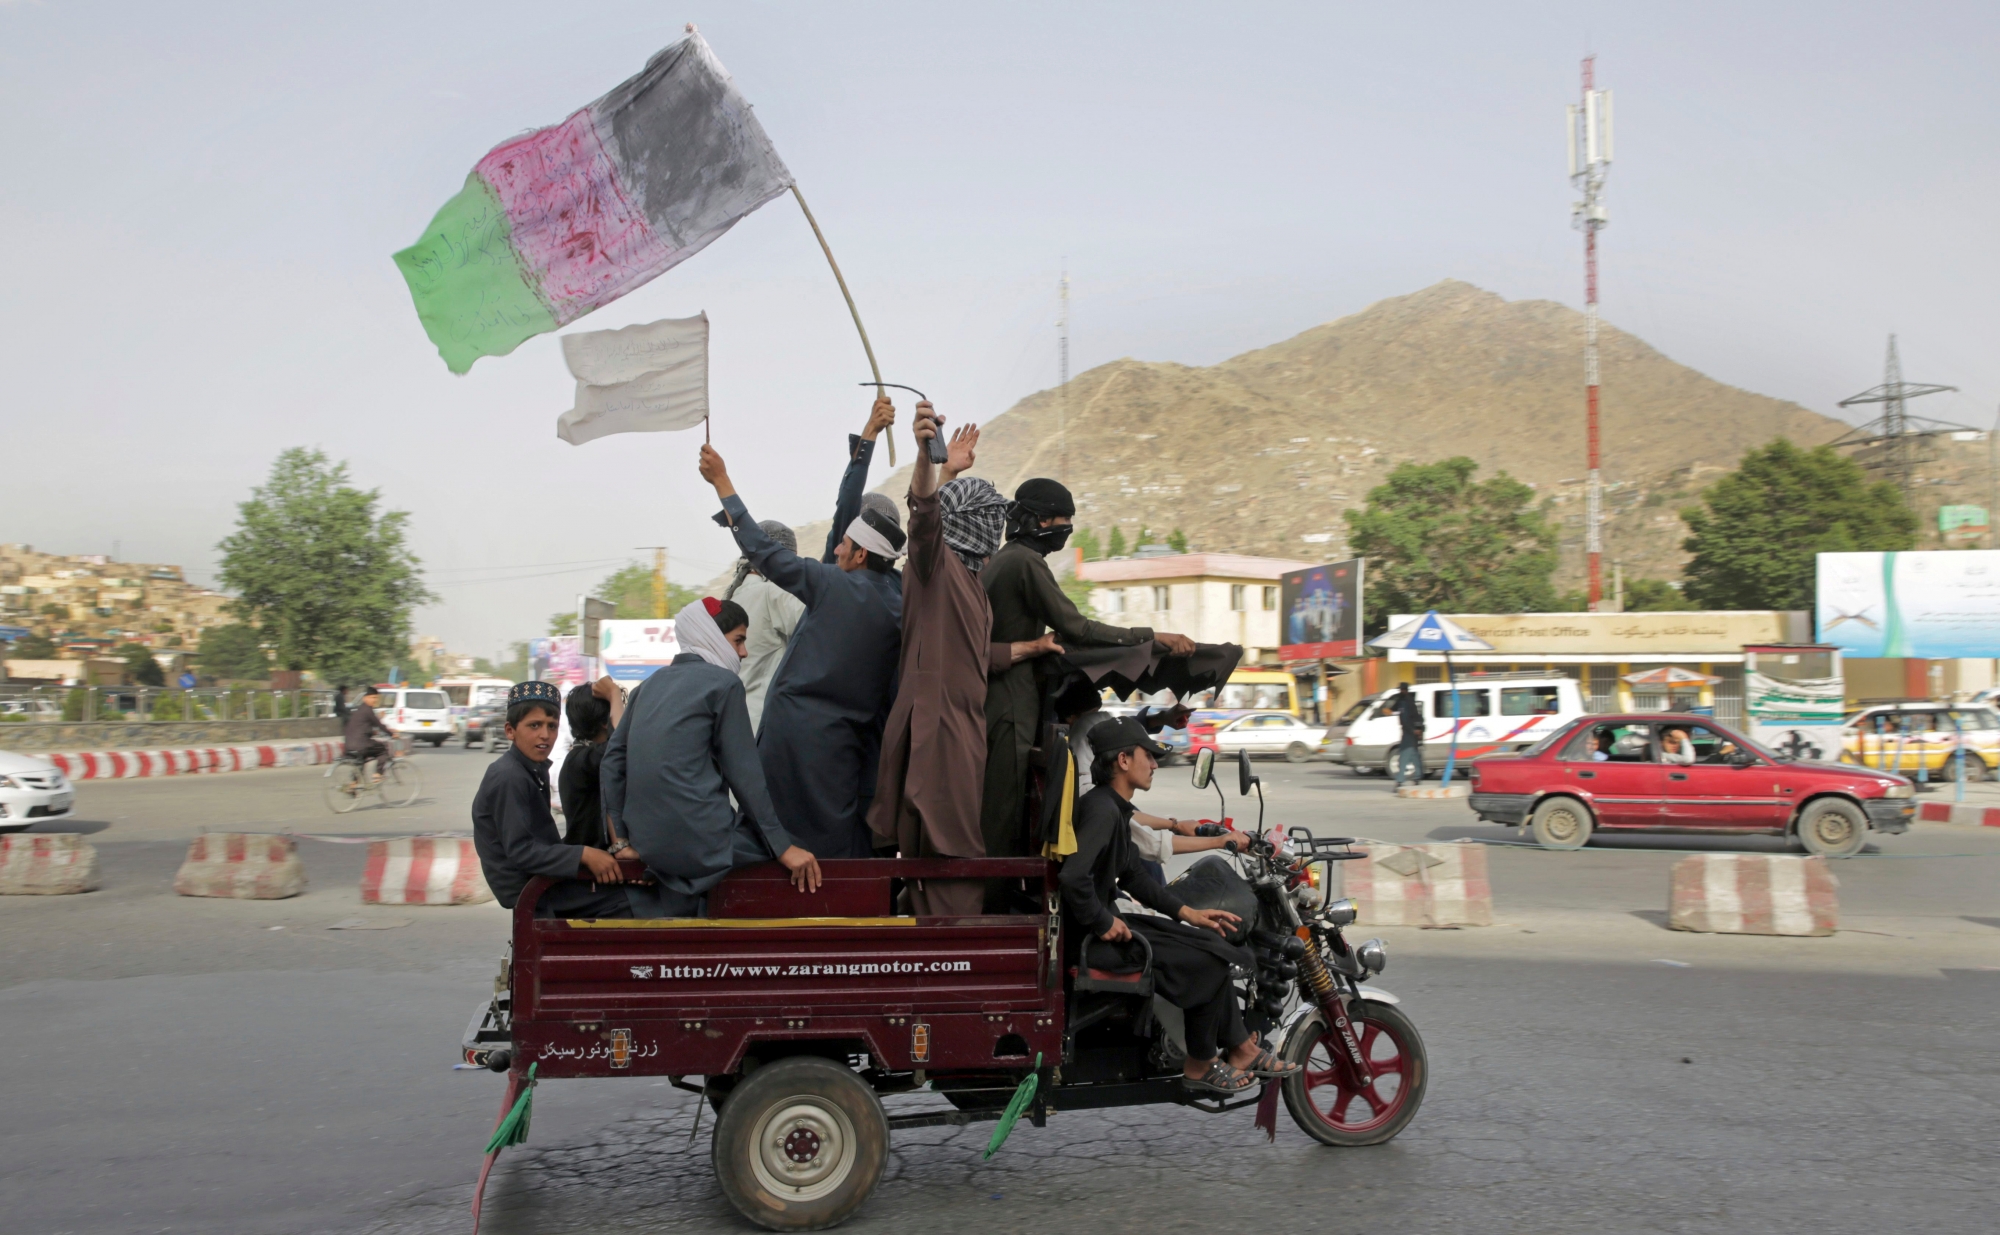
(803, 1149)
(1562, 825)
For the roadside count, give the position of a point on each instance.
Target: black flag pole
(887, 433)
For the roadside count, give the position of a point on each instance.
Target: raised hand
(960, 453)
(880, 417)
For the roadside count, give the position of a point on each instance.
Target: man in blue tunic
(822, 728)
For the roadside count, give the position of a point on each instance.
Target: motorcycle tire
(1321, 1100)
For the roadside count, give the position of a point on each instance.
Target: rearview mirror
(1204, 767)
(1244, 779)
(1742, 759)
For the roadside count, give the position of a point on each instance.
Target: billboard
(1319, 612)
(1793, 700)
(556, 658)
(1937, 605)
(632, 648)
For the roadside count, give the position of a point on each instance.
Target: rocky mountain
(1260, 453)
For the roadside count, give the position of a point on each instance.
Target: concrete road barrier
(1959, 812)
(1753, 894)
(1420, 885)
(133, 764)
(48, 864)
(423, 870)
(241, 866)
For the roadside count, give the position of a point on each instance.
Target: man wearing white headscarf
(933, 766)
(679, 752)
(822, 729)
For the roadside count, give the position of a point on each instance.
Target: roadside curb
(1951, 812)
(1434, 792)
(192, 761)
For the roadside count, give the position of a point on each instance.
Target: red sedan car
(1670, 773)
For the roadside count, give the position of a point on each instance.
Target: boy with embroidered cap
(514, 832)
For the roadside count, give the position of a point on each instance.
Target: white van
(422, 715)
(1497, 712)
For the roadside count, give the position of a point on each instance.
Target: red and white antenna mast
(1589, 163)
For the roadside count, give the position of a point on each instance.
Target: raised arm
(1075, 629)
(801, 577)
(854, 481)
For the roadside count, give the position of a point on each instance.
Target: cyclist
(362, 726)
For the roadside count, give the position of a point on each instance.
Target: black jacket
(1103, 863)
(1411, 713)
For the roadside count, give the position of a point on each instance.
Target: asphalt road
(212, 1066)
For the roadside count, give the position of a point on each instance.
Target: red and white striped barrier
(48, 864)
(1420, 885)
(1753, 894)
(1956, 812)
(423, 870)
(241, 866)
(190, 761)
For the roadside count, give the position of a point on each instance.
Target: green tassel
(1023, 1095)
(514, 1129)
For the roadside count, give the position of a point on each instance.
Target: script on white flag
(642, 379)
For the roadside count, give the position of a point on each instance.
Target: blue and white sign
(1934, 605)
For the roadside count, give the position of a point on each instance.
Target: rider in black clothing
(362, 726)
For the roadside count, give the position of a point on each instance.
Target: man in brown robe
(927, 797)
(1027, 601)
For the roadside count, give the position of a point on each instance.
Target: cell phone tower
(1589, 130)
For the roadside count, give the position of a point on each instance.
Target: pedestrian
(774, 617)
(1410, 749)
(822, 730)
(680, 752)
(592, 713)
(933, 764)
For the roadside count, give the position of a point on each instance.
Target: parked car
(485, 725)
(421, 715)
(1615, 773)
(1259, 733)
(33, 708)
(31, 792)
(1497, 712)
(1924, 737)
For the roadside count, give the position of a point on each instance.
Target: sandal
(1219, 1079)
(1271, 1067)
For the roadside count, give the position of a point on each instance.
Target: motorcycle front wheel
(1324, 1101)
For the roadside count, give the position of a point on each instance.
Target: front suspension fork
(1333, 1005)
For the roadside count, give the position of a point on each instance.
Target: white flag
(642, 379)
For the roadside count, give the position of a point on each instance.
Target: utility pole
(1062, 378)
(1892, 430)
(1589, 163)
(659, 579)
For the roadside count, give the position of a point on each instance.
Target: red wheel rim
(1332, 1093)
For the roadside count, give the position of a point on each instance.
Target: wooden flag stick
(888, 433)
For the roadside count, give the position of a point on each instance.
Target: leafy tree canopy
(1436, 539)
(1117, 546)
(1652, 595)
(234, 652)
(34, 647)
(140, 664)
(1177, 541)
(1757, 530)
(1086, 541)
(328, 580)
(630, 587)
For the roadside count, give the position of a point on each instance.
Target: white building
(1209, 597)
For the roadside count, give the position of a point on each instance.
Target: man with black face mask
(1027, 601)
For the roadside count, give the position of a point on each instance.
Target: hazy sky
(201, 200)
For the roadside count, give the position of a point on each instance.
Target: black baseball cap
(1123, 733)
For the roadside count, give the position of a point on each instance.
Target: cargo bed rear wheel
(800, 1144)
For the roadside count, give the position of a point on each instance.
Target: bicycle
(350, 780)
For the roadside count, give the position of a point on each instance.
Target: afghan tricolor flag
(569, 218)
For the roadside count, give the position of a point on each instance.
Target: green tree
(515, 668)
(1144, 538)
(234, 653)
(1755, 536)
(1436, 539)
(1643, 595)
(562, 623)
(630, 587)
(484, 667)
(1117, 546)
(330, 581)
(34, 647)
(1177, 541)
(1086, 541)
(139, 663)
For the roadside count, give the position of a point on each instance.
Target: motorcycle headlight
(1341, 912)
(1373, 955)
(1900, 791)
